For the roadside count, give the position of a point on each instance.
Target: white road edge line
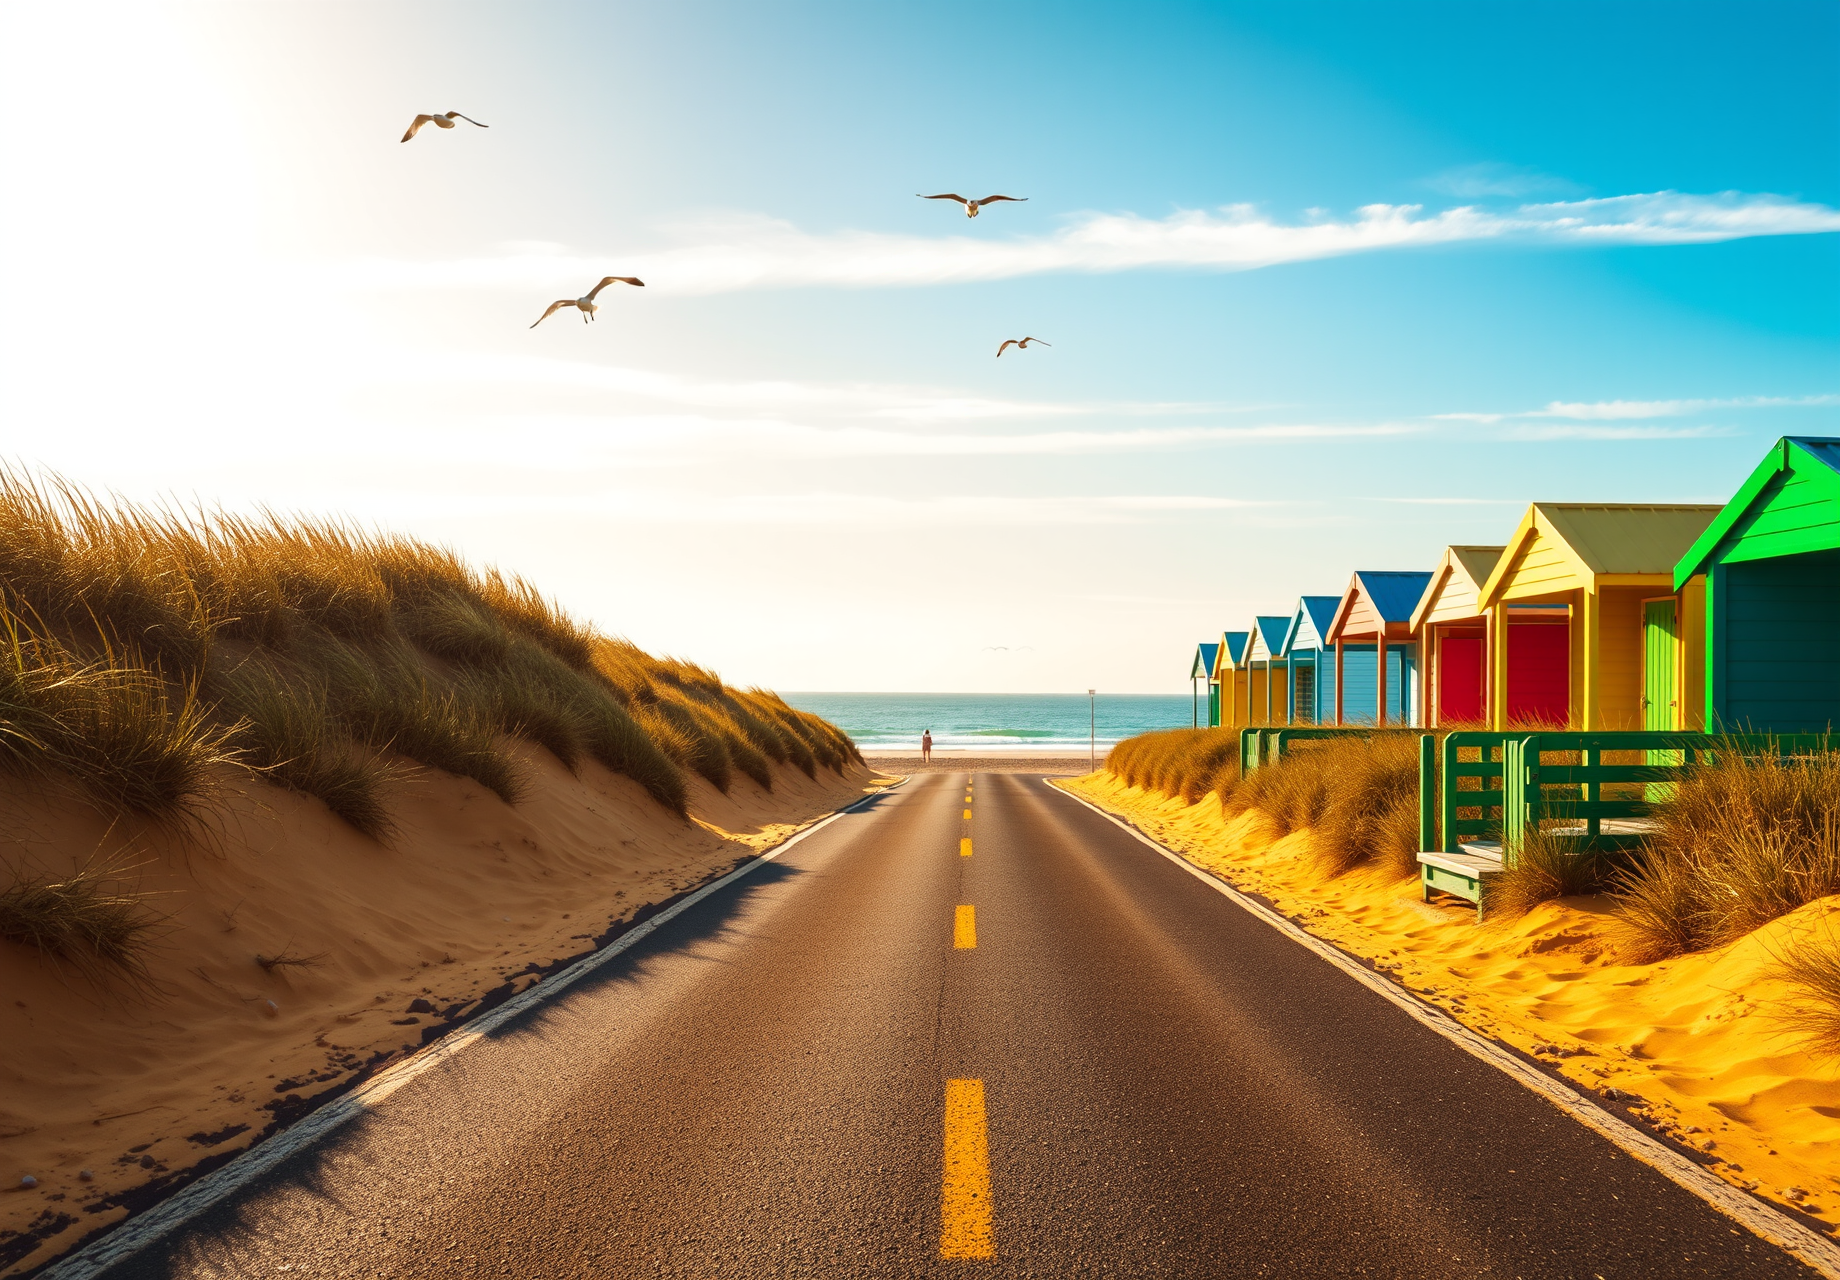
(136, 1233)
(1804, 1243)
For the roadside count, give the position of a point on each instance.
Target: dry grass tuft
(1811, 964)
(1546, 867)
(288, 959)
(84, 920)
(1359, 797)
(1184, 763)
(1740, 843)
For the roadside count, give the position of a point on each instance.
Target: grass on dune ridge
(146, 649)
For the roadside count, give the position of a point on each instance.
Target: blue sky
(1329, 286)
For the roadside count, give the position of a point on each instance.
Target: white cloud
(1623, 410)
(734, 252)
(1473, 181)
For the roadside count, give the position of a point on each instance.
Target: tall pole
(1194, 690)
(1092, 731)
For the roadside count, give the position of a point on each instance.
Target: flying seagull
(1020, 344)
(444, 122)
(971, 206)
(587, 304)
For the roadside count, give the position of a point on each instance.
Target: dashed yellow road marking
(964, 846)
(964, 1209)
(967, 813)
(964, 928)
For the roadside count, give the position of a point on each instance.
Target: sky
(1329, 286)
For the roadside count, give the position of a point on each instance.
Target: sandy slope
(1695, 1039)
(471, 903)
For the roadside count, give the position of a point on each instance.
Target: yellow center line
(964, 847)
(964, 928)
(967, 813)
(964, 1206)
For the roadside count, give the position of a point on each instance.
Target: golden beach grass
(145, 648)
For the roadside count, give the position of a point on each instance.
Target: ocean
(993, 722)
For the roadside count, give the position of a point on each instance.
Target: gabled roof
(1203, 665)
(1466, 568)
(1310, 623)
(1817, 456)
(1232, 649)
(1389, 595)
(1268, 636)
(1627, 539)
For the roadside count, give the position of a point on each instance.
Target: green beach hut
(1202, 668)
(1771, 565)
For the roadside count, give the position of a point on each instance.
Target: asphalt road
(1168, 1087)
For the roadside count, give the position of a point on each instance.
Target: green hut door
(1660, 681)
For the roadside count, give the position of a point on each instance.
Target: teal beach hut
(1202, 668)
(1771, 563)
(1312, 660)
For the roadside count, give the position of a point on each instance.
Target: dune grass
(1740, 842)
(147, 650)
(1359, 796)
(1811, 964)
(85, 920)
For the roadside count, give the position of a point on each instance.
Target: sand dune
(473, 901)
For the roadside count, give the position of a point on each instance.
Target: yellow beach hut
(1452, 635)
(1231, 677)
(1579, 593)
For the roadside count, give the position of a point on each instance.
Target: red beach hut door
(1459, 668)
(1539, 673)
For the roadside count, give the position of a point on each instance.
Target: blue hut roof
(1394, 592)
(1236, 645)
(1272, 627)
(1203, 665)
(1311, 623)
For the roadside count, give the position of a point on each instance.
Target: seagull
(1020, 344)
(587, 304)
(971, 206)
(445, 122)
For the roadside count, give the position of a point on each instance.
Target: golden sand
(475, 898)
(1698, 1040)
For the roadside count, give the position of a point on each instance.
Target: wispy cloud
(1475, 181)
(735, 252)
(1627, 410)
(1581, 431)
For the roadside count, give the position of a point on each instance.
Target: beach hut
(1375, 662)
(1572, 598)
(1451, 632)
(1767, 571)
(1268, 676)
(1311, 661)
(1231, 674)
(1202, 668)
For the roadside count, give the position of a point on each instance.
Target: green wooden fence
(1266, 744)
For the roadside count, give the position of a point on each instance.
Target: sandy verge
(1059, 765)
(473, 902)
(1689, 1048)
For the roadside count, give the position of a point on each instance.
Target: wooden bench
(1463, 875)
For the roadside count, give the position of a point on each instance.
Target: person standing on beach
(926, 746)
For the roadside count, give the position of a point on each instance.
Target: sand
(1692, 1048)
(474, 901)
(1058, 766)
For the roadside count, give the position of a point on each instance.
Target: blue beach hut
(1311, 660)
(1202, 668)
(1374, 652)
